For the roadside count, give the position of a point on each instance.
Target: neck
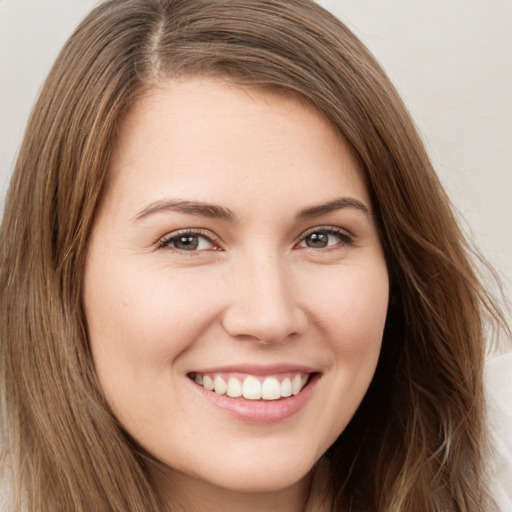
(186, 493)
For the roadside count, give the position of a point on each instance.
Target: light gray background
(450, 59)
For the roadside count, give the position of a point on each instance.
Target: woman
(229, 277)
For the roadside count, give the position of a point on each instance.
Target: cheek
(352, 308)
(139, 326)
(138, 316)
(351, 313)
(139, 321)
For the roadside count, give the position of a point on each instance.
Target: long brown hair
(416, 442)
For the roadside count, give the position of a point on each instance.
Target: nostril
(264, 328)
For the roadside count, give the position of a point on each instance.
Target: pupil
(317, 240)
(187, 243)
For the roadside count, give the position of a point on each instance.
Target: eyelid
(209, 235)
(346, 237)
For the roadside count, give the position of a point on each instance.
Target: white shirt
(498, 392)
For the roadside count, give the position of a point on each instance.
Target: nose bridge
(263, 305)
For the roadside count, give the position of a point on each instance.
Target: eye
(191, 241)
(322, 238)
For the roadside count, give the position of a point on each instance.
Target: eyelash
(345, 238)
(165, 242)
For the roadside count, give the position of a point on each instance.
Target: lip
(258, 370)
(262, 412)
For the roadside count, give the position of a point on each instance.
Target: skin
(255, 291)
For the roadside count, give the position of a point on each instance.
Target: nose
(263, 305)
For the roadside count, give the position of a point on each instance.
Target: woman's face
(235, 248)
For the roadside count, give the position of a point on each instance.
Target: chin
(274, 477)
(246, 473)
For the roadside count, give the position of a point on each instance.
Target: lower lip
(260, 411)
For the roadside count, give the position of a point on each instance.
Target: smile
(253, 387)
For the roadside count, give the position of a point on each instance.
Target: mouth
(253, 387)
(258, 395)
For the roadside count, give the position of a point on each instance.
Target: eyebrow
(339, 203)
(191, 207)
(213, 211)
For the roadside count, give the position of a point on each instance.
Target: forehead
(208, 131)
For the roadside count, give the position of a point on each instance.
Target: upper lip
(258, 370)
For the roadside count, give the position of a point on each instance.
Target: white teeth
(296, 384)
(219, 384)
(207, 382)
(234, 388)
(271, 389)
(286, 387)
(251, 388)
